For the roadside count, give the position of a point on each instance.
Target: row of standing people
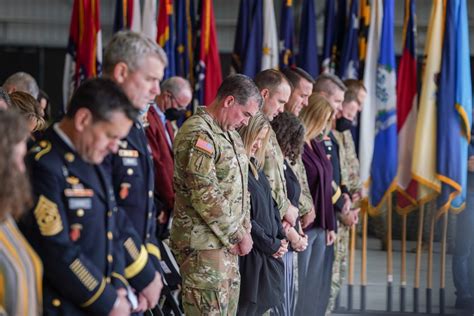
(92, 217)
(234, 202)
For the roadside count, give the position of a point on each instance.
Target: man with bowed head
(211, 225)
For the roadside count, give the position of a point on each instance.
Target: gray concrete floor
(377, 280)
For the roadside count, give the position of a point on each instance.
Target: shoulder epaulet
(41, 149)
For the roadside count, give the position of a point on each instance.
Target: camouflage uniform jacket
(349, 162)
(273, 169)
(210, 178)
(306, 200)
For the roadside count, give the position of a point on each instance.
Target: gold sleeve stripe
(131, 248)
(86, 278)
(138, 265)
(153, 250)
(336, 195)
(96, 295)
(120, 277)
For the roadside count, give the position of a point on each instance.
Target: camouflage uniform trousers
(211, 283)
(340, 264)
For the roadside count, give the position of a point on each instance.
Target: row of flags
(188, 37)
(416, 147)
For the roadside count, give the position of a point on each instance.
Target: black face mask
(174, 114)
(343, 124)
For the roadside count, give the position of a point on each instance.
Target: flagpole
(363, 275)
(389, 253)
(403, 273)
(419, 244)
(443, 266)
(350, 280)
(430, 265)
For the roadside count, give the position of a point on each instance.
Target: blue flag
(308, 46)
(385, 158)
(349, 63)
(241, 34)
(252, 63)
(184, 38)
(287, 57)
(330, 14)
(454, 108)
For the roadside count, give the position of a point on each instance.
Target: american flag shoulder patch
(204, 146)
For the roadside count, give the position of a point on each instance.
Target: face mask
(343, 124)
(174, 114)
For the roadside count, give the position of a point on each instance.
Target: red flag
(84, 52)
(407, 113)
(209, 69)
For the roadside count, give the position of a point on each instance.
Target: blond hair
(249, 134)
(316, 116)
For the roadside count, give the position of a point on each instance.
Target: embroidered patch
(204, 146)
(47, 216)
(83, 274)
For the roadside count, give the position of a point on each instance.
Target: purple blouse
(319, 172)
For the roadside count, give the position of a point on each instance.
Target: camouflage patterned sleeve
(273, 169)
(306, 200)
(207, 193)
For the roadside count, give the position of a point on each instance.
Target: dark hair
(101, 97)
(271, 79)
(328, 83)
(350, 96)
(290, 133)
(354, 85)
(241, 87)
(15, 193)
(47, 110)
(295, 74)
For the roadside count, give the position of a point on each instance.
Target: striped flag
(364, 20)
(165, 35)
(149, 24)
(208, 68)
(424, 161)
(127, 15)
(349, 63)
(270, 37)
(407, 98)
(287, 57)
(385, 159)
(84, 50)
(454, 108)
(308, 46)
(367, 125)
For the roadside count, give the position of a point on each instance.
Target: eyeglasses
(174, 99)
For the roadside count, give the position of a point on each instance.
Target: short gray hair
(327, 83)
(242, 88)
(131, 48)
(22, 81)
(176, 85)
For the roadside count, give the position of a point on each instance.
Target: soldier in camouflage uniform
(350, 179)
(211, 226)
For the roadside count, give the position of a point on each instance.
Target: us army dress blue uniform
(74, 228)
(133, 181)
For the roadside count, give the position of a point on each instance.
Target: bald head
(22, 81)
(176, 93)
